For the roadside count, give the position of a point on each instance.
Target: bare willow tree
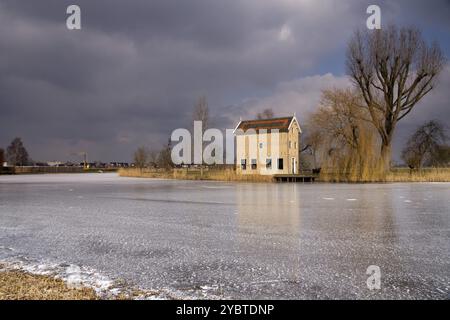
(140, 157)
(424, 145)
(441, 157)
(393, 70)
(265, 114)
(343, 139)
(312, 141)
(164, 159)
(152, 155)
(201, 112)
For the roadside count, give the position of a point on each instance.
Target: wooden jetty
(297, 178)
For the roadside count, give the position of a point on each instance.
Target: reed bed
(365, 176)
(188, 174)
(393, 175)
(423, 175)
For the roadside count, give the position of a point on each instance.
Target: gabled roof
(281, 124)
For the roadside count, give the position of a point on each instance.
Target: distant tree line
(149, 158)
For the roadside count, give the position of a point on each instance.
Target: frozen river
(234, 240)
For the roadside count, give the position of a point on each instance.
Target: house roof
(282, 124)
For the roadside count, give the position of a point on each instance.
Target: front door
(294, 166)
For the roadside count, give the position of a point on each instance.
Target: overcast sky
(135, 70)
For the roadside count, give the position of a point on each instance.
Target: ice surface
(230, 240)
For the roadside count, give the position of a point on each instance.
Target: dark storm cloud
(133, 72)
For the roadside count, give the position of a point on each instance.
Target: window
(254, 166)
(295, 145)
(244, 164)
(280, 164)
(269, 164)
(261, 145)
(290, 145)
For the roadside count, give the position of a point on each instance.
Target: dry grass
(424, 175)
(365, 176)
(184, 174)
(16, 284)
(20, 285)
(394, 175)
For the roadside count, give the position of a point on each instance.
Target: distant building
(54, 163)
(254, 132)
(118, 165)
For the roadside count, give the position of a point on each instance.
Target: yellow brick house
(268, 146)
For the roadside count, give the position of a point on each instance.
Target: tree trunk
(386, 145)
(385, 159)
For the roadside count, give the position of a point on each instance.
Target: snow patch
(80, 276)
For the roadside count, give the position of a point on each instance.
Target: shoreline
(225, 175)
(428, 175)
(8, 171)
(398, 175)
(24, 279)
(34, 280)
(18, 284)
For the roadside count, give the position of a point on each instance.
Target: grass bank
(424, 175)
(184, 174)
(395, 175)
(21, 285)
(17, 283)
(52, 170)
